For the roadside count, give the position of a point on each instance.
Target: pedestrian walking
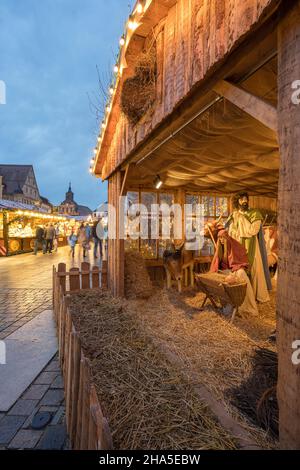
(83, 239)
(39, 241)
(97, 240)
(72, 242)
(49, 237)
(55, 241)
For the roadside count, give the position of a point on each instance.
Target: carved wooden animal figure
(179, 264)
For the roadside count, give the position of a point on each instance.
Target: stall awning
(13, 205)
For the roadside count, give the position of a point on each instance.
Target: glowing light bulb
(116, 69)
(95, 151)
(122, 41)
(91, 170)
(92, 161)
(139, 8)
(132, 25)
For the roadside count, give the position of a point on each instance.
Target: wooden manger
(215, 288)
(87, 427)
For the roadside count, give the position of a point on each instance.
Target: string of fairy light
(131, 25)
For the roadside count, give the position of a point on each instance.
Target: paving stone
(58, 382)
(35, 392)
(25, 439)
(9, 426)
(51, 409)
(27, 423)
(59, 416)
(54, 438)
(53, 366)
(46, 378)
(23, 407)
(53, 397)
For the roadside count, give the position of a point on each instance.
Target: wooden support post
(115, 246)
(251, 104)
(288, 292)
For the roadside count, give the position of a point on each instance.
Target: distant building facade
(19, 185)
(70, 207)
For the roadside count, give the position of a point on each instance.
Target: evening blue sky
(49, 50)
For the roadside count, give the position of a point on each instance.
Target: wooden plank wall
(195, 35)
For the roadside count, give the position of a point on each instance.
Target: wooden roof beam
(251, 104)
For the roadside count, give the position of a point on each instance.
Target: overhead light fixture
(158, 182)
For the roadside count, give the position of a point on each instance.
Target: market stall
(18, 223)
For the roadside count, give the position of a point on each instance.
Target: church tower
(70, 194)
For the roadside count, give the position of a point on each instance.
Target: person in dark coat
(49, 237)
(39, 241)
(97, 240)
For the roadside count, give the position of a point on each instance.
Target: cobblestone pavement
(25, 292)
(25, 286)
(18, 306)
(45, 394)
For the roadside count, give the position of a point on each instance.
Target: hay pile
(137, 281)
(139, 92)
(256, 396)
(219, 353)
(147, 402)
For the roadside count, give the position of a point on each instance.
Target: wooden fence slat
(75, 386)
(74, 279)
(85, 405)
(95, 277)
(66, 363)
(96, 420)
(62, 268)
(104, 274)
(69, 380)
(85, 275)
(79, 405)
(92, 440)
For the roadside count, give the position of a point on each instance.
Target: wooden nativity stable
(202, 98)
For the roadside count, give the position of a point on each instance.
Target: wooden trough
(87, 427)
(217, 290)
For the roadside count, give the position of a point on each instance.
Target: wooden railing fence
(88, 429)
